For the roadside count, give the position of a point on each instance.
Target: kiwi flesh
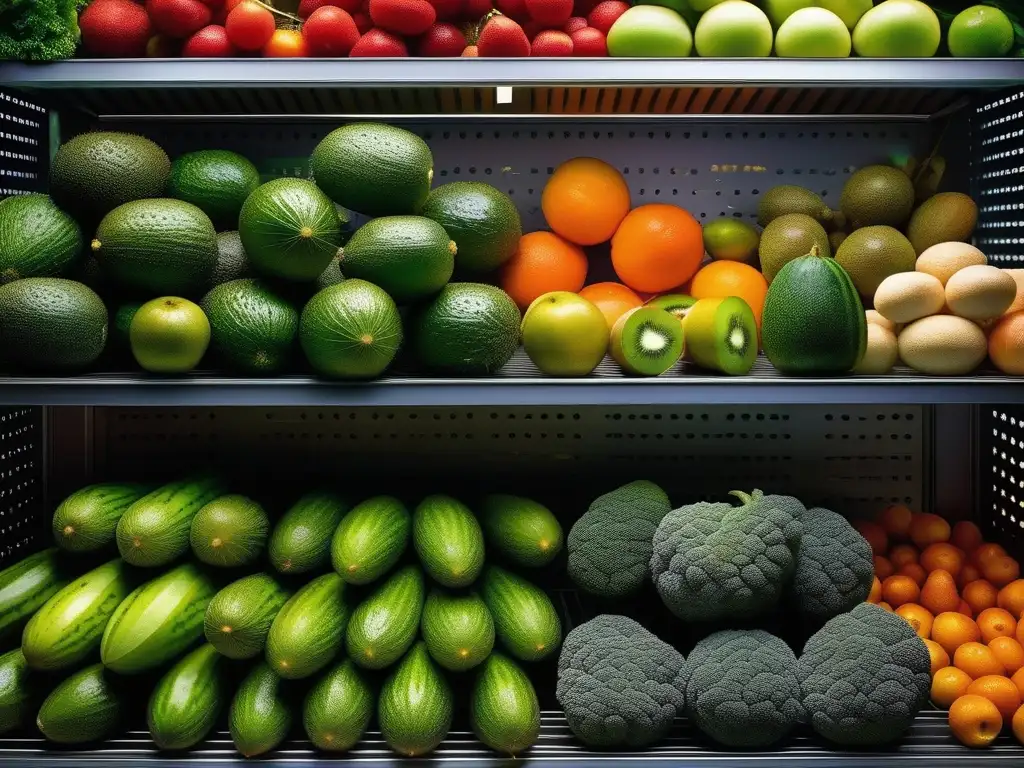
(721, 335)
(647, 341)
(677, 304)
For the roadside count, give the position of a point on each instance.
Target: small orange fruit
(1011, 597)
(721, 279)
(884, 605)
(1018, 680)
(918, 617)
(980, 595)
(895, 519)
(897, 590)
(942, 555)
(1006, 343)
(1009, 652)
(585, 200)
(542, 263)
(939, 593)
(613, 299)
(1020, 630)
(966, 535)
(969, 573)
(1000, 691)
(975, 721)
(965, 609)
(1001, 571)
(938, 655)
(926, 528)
(948, 685)
(977, 660)
(1017, 725)
(995, 622)
(657, 247)
(915, 571)
(874, 534)
(902, 554)
(875, 595)
(951, 630)
(883, 568)
(985, 552)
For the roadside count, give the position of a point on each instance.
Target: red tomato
(250, 26)
(286, 43)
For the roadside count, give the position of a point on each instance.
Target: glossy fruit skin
(286, 44)
(309, 629)
(523, 530)
(250, 26)
(415, 707)
(551, 43)
(188, 699)
(26, 586)
(403, 17)
(18, 692)
(116, 29)
(211, 42)
(657, 248)
(84, 707)
(330, 31)
(377, 43)
(502, 37)
(370, 539)
(448, 541)
(301, 540)
(457, 629)
(504, 710)
(589, 42)
(338, 708)
(260, 715)
(238, 618)
(564, 334)
(385, 624)
(178, 18)
(525, 619)
(441, 40)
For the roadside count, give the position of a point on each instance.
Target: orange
(1001, 570)
(1009, 652)
(657, 247)
(895, 519)
(926, 528)
(897, 590)
(948, 685)
(914, 571)
(943, 556)
(968, 574)
(543, 262)
(966, 535)
(902, 554)
(1018, 680)
(585, 200)
(951, 630)
(1006, 343)
(939, 593)
(883, 568)
(874, 534)
(938, 655)
(721, 279)
(977, 660)
(1017, 725)
(885, 606)
(613, 299)
(965, 609)
(979, 595)
(986, 552)
(1000, 691)
(995, 622)
(875, 596)
(1011, 597)
(975, 721)
(918, 617)
(1020, 629)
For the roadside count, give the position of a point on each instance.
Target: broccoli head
(717, 561)
(610, 545)
(618, 684)
(865, 675)
(38, 30)
(834, 567)
(742, 689)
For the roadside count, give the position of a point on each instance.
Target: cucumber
(69, 627)
(525, 620)
(260, 716)
(301, 540)
(229, 531)
(155, 530)
(458, 630)
(86, 520)
(239, 617)
(157, 621)
(448, 540)
(309, 630)
(187, 701)
(384, 625)
(522, 530)
(503, 710)
(26, 586)
(415, 708)
(370, 539)
(85, 707)
(17, 691)
(338, 708)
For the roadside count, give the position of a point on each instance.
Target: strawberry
(441, 40)
(448, 10)
(514, 9)
(330, 31)
(474, 10)
(403, 17)
(209, 43)
(550, 42)
(576, 22)
(363, 22)
(306, 7)
(178, 18)
(606, 13)
(470, 52)
(115, 28)
(589, 42)
(502, 37)
(379, 43)
(551, 14)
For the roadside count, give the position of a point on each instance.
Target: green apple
(898, 29)
(849, 11)
(647, 31)
(813, 33)
(734, 29)
(780, 10)
(564, 334)
(169, 335)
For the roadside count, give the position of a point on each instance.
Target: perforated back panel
(997, 177)
(21, 482)
(1001, 474)
(24, 151)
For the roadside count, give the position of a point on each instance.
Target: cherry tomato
(286, 43)
(250, 26)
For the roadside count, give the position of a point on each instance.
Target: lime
(813, 33)
(650, 31)
(980, 32)
(898, 29)
(734, 29)
(169, 335)
(731, 240)
(780, 10)
(849, 11)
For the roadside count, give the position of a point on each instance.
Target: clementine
(883, 568)
(968, 574)
(980, 595)
(975, 721)
(544, 262)
(985, 552)
(1001, 570)
(948, 685)
(1006, 344)
(721, 279)
(585, 200)
(895, 519)
(1011, 597)
(872, 532)
(902, 554)
(1017, 725)
(926, 528)
(938, 655)
(914, 571)
(657, 247)
(951, 630)
(966, 535)
(996, 622)
(1000, 691)
(899, 589)
(1018, 680)
(965, 609)
(977, 660)
(943, 556)
(939, 593)
(875, 595)
(885, 606)
(918, 617)
(1009, 652)
(613, 299)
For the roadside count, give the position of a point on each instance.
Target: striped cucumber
(70, 626)
(17, 691)
(448, 540)
(310, 630)
(525, 620)
(157, 621)
(370, 539)
(521, 529)
(415, 707)
(155, 530)
(338, 708)
(503, 709)
(188, 699)
(26, 586)
(85, 707)
(458, 629)
(301, 540)
(260, 716)
(385, 624)
(238, 618)
(86, 520)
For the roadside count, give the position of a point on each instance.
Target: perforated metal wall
(997, 177)
(24, 151)
(1001, 473)
(21, 481)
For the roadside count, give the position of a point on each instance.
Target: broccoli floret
(865, 676)
(38, 30)
(834, 567)
(742, 689)
(618, 684)
(610, 545)
(717, 561)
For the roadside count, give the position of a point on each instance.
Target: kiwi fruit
(677, 304)
(789, 198)
(790, 237)
(647, 341)
(871, 254)
(946, 217)
(877, 194)
(721, 334)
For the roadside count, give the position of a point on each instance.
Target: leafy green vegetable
(39, 30)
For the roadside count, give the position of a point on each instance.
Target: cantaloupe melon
(1006, 344)
(909, 296)
(881, 353)
(946, 259)
(980, 292)
(944, 345)
(876, 317)
(1018, 301)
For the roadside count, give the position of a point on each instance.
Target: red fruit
(589, 42)
(471, 52)
(213, 5)
(209, 43)
(502, 37)
(403, 17)
(286, 44)
(379, 43)
(514, 9)
(583, 7)
(330, 31)
(178, 18)
(550, 42)
(574, 23)
(474, 10)
(363, 22)
(250, 26)
(308, 7)
(551, 14)
(606, 13)
(447, 10)
(115, 28)
(531, 28)
(441, 40)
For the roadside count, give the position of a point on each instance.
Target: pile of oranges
(965, 597)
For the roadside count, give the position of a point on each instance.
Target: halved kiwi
(647, 341)
(677, 304)
(721, 334)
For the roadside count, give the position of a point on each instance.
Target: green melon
(482, 220)
(215, 180)
(37, 239)
(252, 326)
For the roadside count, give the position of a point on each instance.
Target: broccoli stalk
(38, 30)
